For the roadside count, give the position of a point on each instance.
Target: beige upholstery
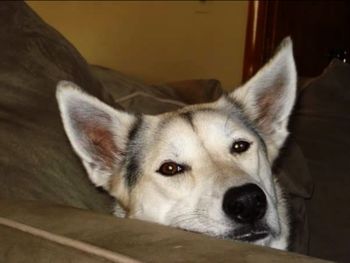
(49, 233)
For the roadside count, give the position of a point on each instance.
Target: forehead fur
(224, 108)
(176, 130)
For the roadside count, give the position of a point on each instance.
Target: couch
(49, 210)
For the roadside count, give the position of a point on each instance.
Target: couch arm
(37, 232)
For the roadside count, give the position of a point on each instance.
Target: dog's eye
(240, 146)
(171, 168)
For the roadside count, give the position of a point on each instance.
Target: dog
(204, 168)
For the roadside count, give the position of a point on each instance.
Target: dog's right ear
(97, 132)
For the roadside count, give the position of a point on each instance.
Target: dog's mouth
(252, 236)
(245, 233)
(249, 233)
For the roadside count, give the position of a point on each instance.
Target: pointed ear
(97, 132)
(268, 98)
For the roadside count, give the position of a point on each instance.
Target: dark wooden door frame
(260, 35)
(319, 30)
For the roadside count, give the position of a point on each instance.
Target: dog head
(204, 168)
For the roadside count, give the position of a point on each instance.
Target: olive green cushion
(36, 159)
(138, 97)
(69, 234)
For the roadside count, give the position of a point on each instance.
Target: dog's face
(204, 168)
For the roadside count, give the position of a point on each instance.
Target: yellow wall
(155, 41)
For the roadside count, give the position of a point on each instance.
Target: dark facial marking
(239, 111)
(188, 117)
(234, 102)
(132, 151)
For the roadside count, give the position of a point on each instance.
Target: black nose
(245, 204)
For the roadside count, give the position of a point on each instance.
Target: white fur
(70, 98)
(280, 70)
(192, 200)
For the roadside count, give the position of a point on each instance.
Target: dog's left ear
(268, 98)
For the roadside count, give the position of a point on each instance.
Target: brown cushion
(36, 159)
(292, 172)
(136, 96)
(33, 232)
(321, 127)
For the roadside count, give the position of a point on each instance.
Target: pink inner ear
(267, 108)
(270, 103)
(102, 143)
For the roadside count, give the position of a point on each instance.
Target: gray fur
(197, 139)
(132, 154)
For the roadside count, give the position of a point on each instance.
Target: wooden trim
(260, 36)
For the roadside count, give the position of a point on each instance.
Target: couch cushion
(321, 127)
(293, 174)
(136, 96)
(62, 234)
(36, 159)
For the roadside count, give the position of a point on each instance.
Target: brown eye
(170, 169)
(240, 146)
